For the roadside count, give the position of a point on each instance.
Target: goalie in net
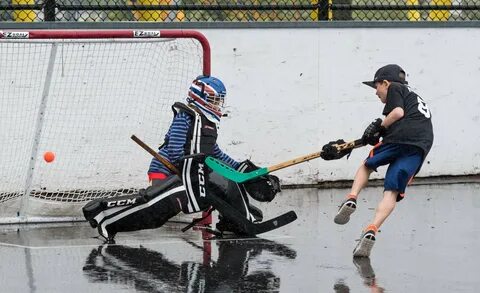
(189, 186)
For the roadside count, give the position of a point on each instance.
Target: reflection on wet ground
(429, 244)
(151, 271)
(366, 272)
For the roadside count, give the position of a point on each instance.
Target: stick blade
(232, 174)
(245, 225)
(275, 223)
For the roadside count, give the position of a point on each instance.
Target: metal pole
(49, 10)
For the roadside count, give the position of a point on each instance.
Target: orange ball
(49, 157)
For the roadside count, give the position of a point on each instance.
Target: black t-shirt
(415, 128)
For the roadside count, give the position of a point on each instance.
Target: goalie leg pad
(230, 219)
(235, 195)
(94, 208)
(235, 198)
(153, 207)
(152, 214)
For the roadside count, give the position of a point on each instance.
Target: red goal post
(81, 94)
(115, 34)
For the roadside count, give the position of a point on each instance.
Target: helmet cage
(207, 96)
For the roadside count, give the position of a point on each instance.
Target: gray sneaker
(346, 209)
(365, 245)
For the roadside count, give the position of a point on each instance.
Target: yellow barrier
(314, 13)
(151, 15)
(433, 15)
(330, 12)
(413, 15)
(440, 15)
(24, 15)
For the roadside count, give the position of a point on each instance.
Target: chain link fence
(239, 10)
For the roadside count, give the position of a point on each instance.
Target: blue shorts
(403, 160)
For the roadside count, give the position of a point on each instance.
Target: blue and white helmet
(208, 94)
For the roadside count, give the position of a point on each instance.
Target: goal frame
(114, 34)
(99, 34)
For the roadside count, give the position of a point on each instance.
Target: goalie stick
(223, 207)
(164, 161)
(249, 228)
(239, 177)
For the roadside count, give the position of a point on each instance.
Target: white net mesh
(83, 100)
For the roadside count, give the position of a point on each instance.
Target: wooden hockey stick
(164, 161)
(239, 177)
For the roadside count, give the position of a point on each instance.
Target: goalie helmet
(208, 94)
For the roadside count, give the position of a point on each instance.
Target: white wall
(289, 92)
(292, 90)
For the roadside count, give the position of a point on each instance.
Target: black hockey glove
(263, 188)
(373, 132)
(330, 151)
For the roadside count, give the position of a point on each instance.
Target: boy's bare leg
(349, 205)
(385, 207)
(360, 180)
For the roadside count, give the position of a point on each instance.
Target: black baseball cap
(390, 72)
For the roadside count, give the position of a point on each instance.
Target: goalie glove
(330, 151)
(263, 188)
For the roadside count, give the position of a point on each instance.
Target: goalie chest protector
(202, 135)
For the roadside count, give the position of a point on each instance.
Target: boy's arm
(178, 138)
(393, 110)
(392, 117)
(218, 154)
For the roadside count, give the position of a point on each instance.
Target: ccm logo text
(122, 202)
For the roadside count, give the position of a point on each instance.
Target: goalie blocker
(154, 206)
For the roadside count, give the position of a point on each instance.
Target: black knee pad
(148, 217)
(95, 207)
(154, 206)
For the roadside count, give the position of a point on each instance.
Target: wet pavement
(429, 244)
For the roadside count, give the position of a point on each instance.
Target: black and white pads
(149, 209)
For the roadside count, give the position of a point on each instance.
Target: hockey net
(81, 95)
